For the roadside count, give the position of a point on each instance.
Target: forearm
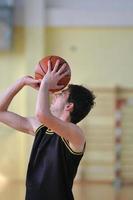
(42, 105)
(8, 95)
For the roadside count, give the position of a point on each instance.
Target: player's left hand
(52, 77)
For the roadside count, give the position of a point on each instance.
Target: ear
(69, 107)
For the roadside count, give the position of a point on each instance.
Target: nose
(57, 94)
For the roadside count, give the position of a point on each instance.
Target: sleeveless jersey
(52, 167)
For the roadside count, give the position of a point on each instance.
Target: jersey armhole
(71, 150)
(36, 131)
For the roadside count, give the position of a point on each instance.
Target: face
(59, 100)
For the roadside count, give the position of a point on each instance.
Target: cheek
(55, 101)
(58, 100)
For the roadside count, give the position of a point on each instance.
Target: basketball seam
(51, 60)
(39, 74)
(42, 68)
(60, 64)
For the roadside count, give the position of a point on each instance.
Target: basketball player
(59, 142)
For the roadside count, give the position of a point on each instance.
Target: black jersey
(52, 167)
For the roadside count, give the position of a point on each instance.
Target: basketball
(42, 67)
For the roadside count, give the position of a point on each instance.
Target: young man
(59, 143)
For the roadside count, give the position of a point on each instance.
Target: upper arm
(67, 130)
(17, 122)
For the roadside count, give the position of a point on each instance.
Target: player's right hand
(30, 81)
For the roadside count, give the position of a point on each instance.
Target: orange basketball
(42, 67)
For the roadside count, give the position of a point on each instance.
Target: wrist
(45, 84)
(21, 81)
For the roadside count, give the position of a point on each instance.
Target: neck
(56, 113)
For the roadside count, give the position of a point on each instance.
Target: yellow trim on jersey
(42, 125)
(49, 131)
(70, 149)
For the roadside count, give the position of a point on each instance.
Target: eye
(61, 93)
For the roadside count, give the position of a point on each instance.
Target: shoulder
(35, 124)
(79, 140)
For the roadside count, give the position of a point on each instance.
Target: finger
(38, 81)
(49, 66)
(62, 68)
(38, 86)
(29, 76)
(34, 81)
(56, 66)
(65, 73)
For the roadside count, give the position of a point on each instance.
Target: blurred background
(96, 38)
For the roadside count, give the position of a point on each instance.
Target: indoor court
(96, 39)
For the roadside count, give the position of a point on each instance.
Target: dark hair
(83, 100)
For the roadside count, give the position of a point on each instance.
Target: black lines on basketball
(53, 61)
(42, 68)
(39, 74)
(60, 65)
(50, 58)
